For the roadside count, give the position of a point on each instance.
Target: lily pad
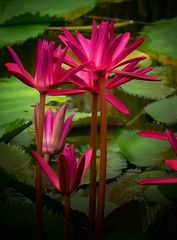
(9, 9)
(18, 34)
(164, 111)
(140, 151)
(17, 163)
(151, 89)
(161, 43)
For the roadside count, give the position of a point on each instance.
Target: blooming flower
(55, 128)
(171, 162)
(70, 170)
(106, 55)
(49, 72)
(104, 51)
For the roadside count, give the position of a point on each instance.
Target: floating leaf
(150, 89)
(153, 194)
(164, 111)
(143, 152)
(18, 34)
(17, 163)
(81, 204)
(11, 129)
(161, 43)
(54, 8)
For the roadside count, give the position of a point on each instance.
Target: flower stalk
(67, 200)
(92, 189)
(38, 180)
(103, 158)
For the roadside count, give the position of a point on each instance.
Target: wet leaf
(164, 111)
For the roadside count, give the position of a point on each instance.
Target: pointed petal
(78, 52)
(172, 163)
(153, 134)
(60, 92)
(52, 176)
(15, 70)
(65, 130)
(85, 44)
(63, 174)
(48, 130)
(173, 139)
(88, 156)
(79, 173)
(70, 37)
(156, 181)
(116, 103)
(135, 75)
(94, 37)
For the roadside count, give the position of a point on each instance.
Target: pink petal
(172, 163)
(53, 177)
(88, 156)
(155, 181)
(135, 75)
(153, 134)
(60, 92)
(85, 44)
(70, 38)
(116, 103)
(136, 60)
(78, 52)
(173, 139)
(94, 36)
(15, 70)
(63, 174)
(65, 130)
(48, 129)
(122, 44)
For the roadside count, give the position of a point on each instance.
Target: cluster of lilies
(99, 65)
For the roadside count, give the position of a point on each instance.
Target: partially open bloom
(172, 163)
(70, 170)
(49, 71)
(56, 128)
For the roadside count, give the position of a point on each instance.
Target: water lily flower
(104, 51)
(70, 170)
(172, 163)
(56, 128)
(49, 71)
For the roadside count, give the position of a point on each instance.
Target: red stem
(103, 158)
(92, 190)
(67, 200)
(38, 180)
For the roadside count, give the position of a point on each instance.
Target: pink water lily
(70, 170)
(56, 128)
(49, 71)
(172, 163)
(104, 51)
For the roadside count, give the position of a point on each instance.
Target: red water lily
(49, 71)
(70, 170)
(56, 128)
(172, 163)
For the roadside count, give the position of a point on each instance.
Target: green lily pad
(151, 89)
(17, 163)
(164, 111)
(9, 9)
(161, 43)
(141, 151)
(17, 34)
(81, 204)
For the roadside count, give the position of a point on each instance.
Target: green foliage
(11, 129)
(164, 111)
(18, 34)
(141, 151)
(53, 224)
(17, 163)
(151, 89)
(169, 190)
(81, 204)
(153, 194)
(4, 179)
(161, 44)
(45, 9)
